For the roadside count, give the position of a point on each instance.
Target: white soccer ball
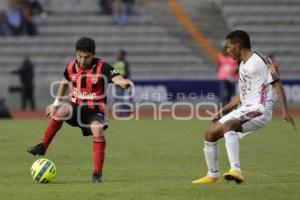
(43, 170)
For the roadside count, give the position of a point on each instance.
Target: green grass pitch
(148, 159)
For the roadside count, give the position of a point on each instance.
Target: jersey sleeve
(272, 75)
(109, 72)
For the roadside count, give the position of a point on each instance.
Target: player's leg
(211, 153)
(53, 127)
(233, 150)
(211, 150)
(63, 113)
(246, 116)
(99, 145)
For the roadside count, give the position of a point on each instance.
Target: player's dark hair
(241, 37)
(85, 44)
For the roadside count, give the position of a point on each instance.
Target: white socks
(233, 149)
(212, 154)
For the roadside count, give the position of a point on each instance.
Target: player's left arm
(235, 101)
(115, 77)
(277, 86)
(121, 81)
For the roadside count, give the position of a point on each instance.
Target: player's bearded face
(232, 50)
(84, 59)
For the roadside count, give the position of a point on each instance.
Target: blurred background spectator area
(16, 17)
(158, 46)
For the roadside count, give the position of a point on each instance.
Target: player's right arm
(62, 89)
(235, 101)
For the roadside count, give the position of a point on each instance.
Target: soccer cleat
(207, 180)
(97, 177)
(38, 149)
(233, 175)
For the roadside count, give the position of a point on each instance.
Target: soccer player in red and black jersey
(85, 107)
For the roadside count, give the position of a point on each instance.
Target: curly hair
(85, 44)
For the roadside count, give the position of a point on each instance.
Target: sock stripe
(210, 143)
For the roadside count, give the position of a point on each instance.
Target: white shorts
(252, 117)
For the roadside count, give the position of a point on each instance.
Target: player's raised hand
(128, 83)
(124, 83)
(51, 110)
(287, 117)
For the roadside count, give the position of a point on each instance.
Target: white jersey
(254, 82)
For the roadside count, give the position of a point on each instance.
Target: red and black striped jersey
(90, 84)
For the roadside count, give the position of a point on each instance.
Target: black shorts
(82, 117)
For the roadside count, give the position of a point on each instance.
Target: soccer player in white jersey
(258, 83)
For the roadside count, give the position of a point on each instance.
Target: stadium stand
(153, 53)
(158, 47)
(274, 25)
(207, 16)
